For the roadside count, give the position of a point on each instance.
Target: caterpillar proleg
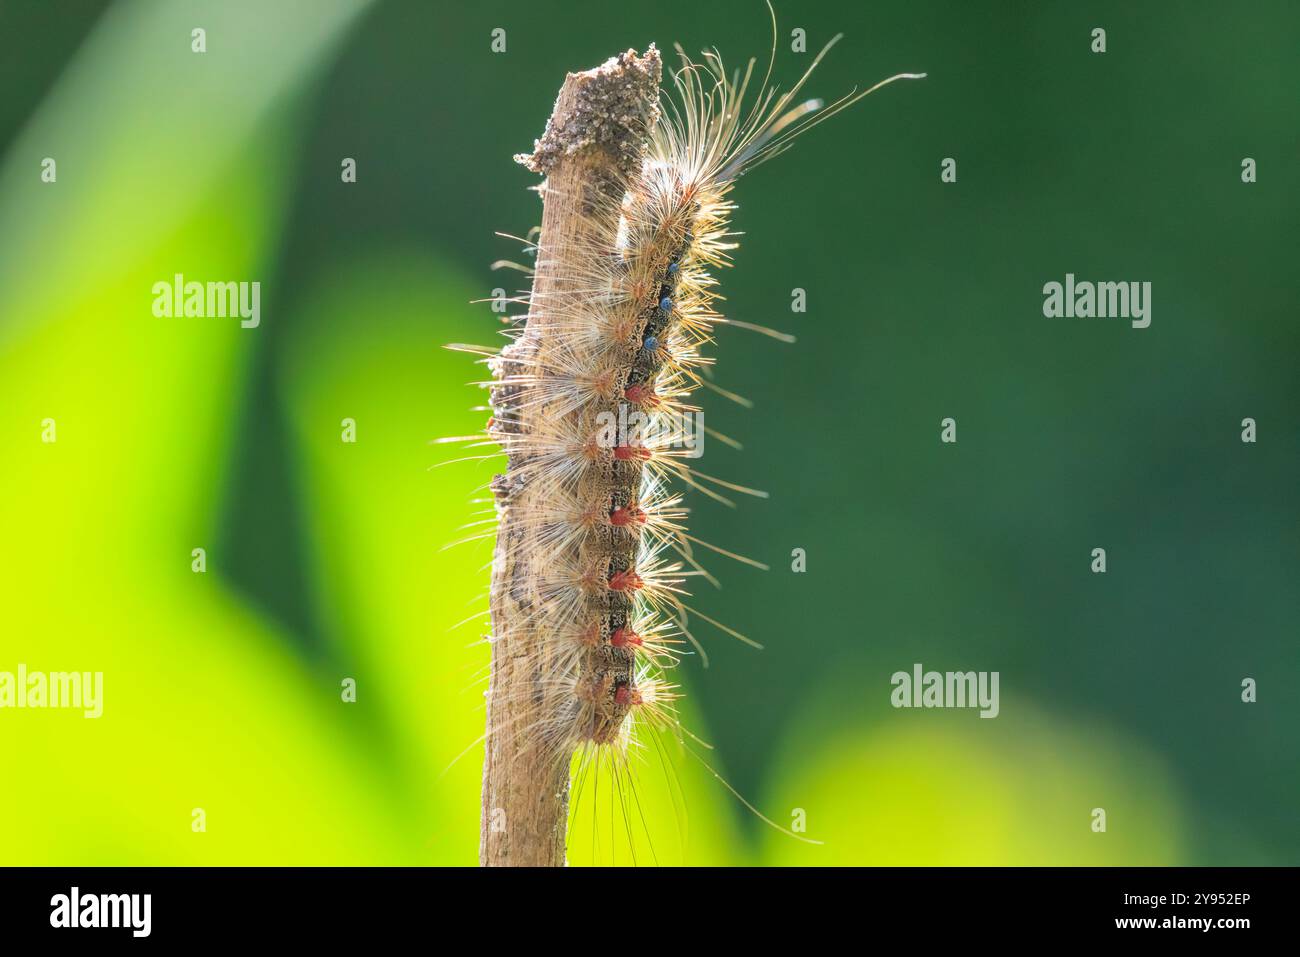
(592, 402)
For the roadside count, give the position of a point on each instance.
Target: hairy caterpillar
(587, 601)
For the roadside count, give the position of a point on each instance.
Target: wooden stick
(594, 142)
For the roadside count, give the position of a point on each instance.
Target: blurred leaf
(201, 708)
(951, 788)
(141, 127)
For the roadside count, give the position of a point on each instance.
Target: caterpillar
(592, 402)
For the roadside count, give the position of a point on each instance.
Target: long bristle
(626, 334)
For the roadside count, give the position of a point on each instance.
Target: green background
(1119, 691)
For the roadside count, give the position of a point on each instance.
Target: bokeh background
(222, 690)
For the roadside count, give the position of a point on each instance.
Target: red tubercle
(625, 581)
(624, 637)
(641, 394)
(627, 453)
(624, 695)
(622, 517)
